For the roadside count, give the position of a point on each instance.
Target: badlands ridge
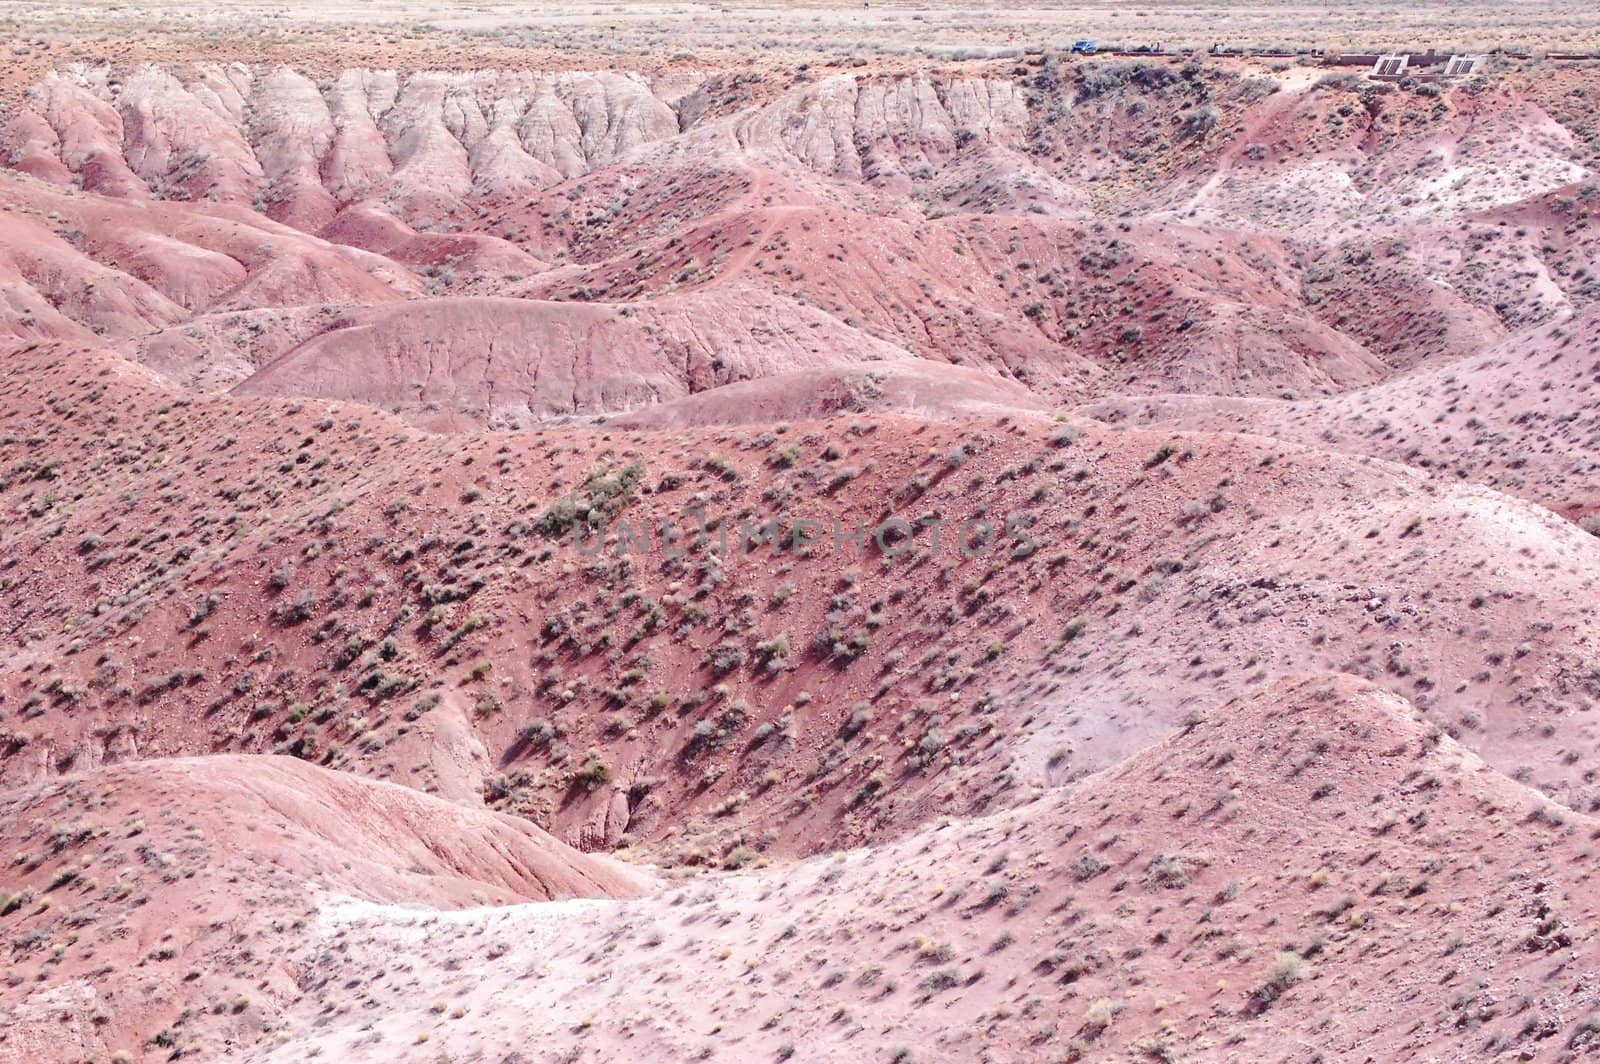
(336, 721)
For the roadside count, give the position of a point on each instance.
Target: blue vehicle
(1083, 47)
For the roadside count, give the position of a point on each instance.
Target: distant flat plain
(867, 29)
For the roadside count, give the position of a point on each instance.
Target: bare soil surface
(1134, 583)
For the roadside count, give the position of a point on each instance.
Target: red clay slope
(1079, 229)
(1521, 418)
(313, 579)
(153, 891)
(1309, 872)
(504, 362)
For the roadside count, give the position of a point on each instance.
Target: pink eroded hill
(1521, 417)
(1261, 877)
(1114, 227)
(352, 705)
(910, 386)
(415, 607)
(147, 888)
(518, 361)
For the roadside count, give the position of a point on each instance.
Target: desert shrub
(1168, 871)
(602, 494)
(724, 658)
(1103, 79)
(593, 772)
(1287, 969)
(296, 611)
(775, 651)
(1339, 82)
(1198, 121)
(1099, 1015)
(860, 717)
(1087, 866)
